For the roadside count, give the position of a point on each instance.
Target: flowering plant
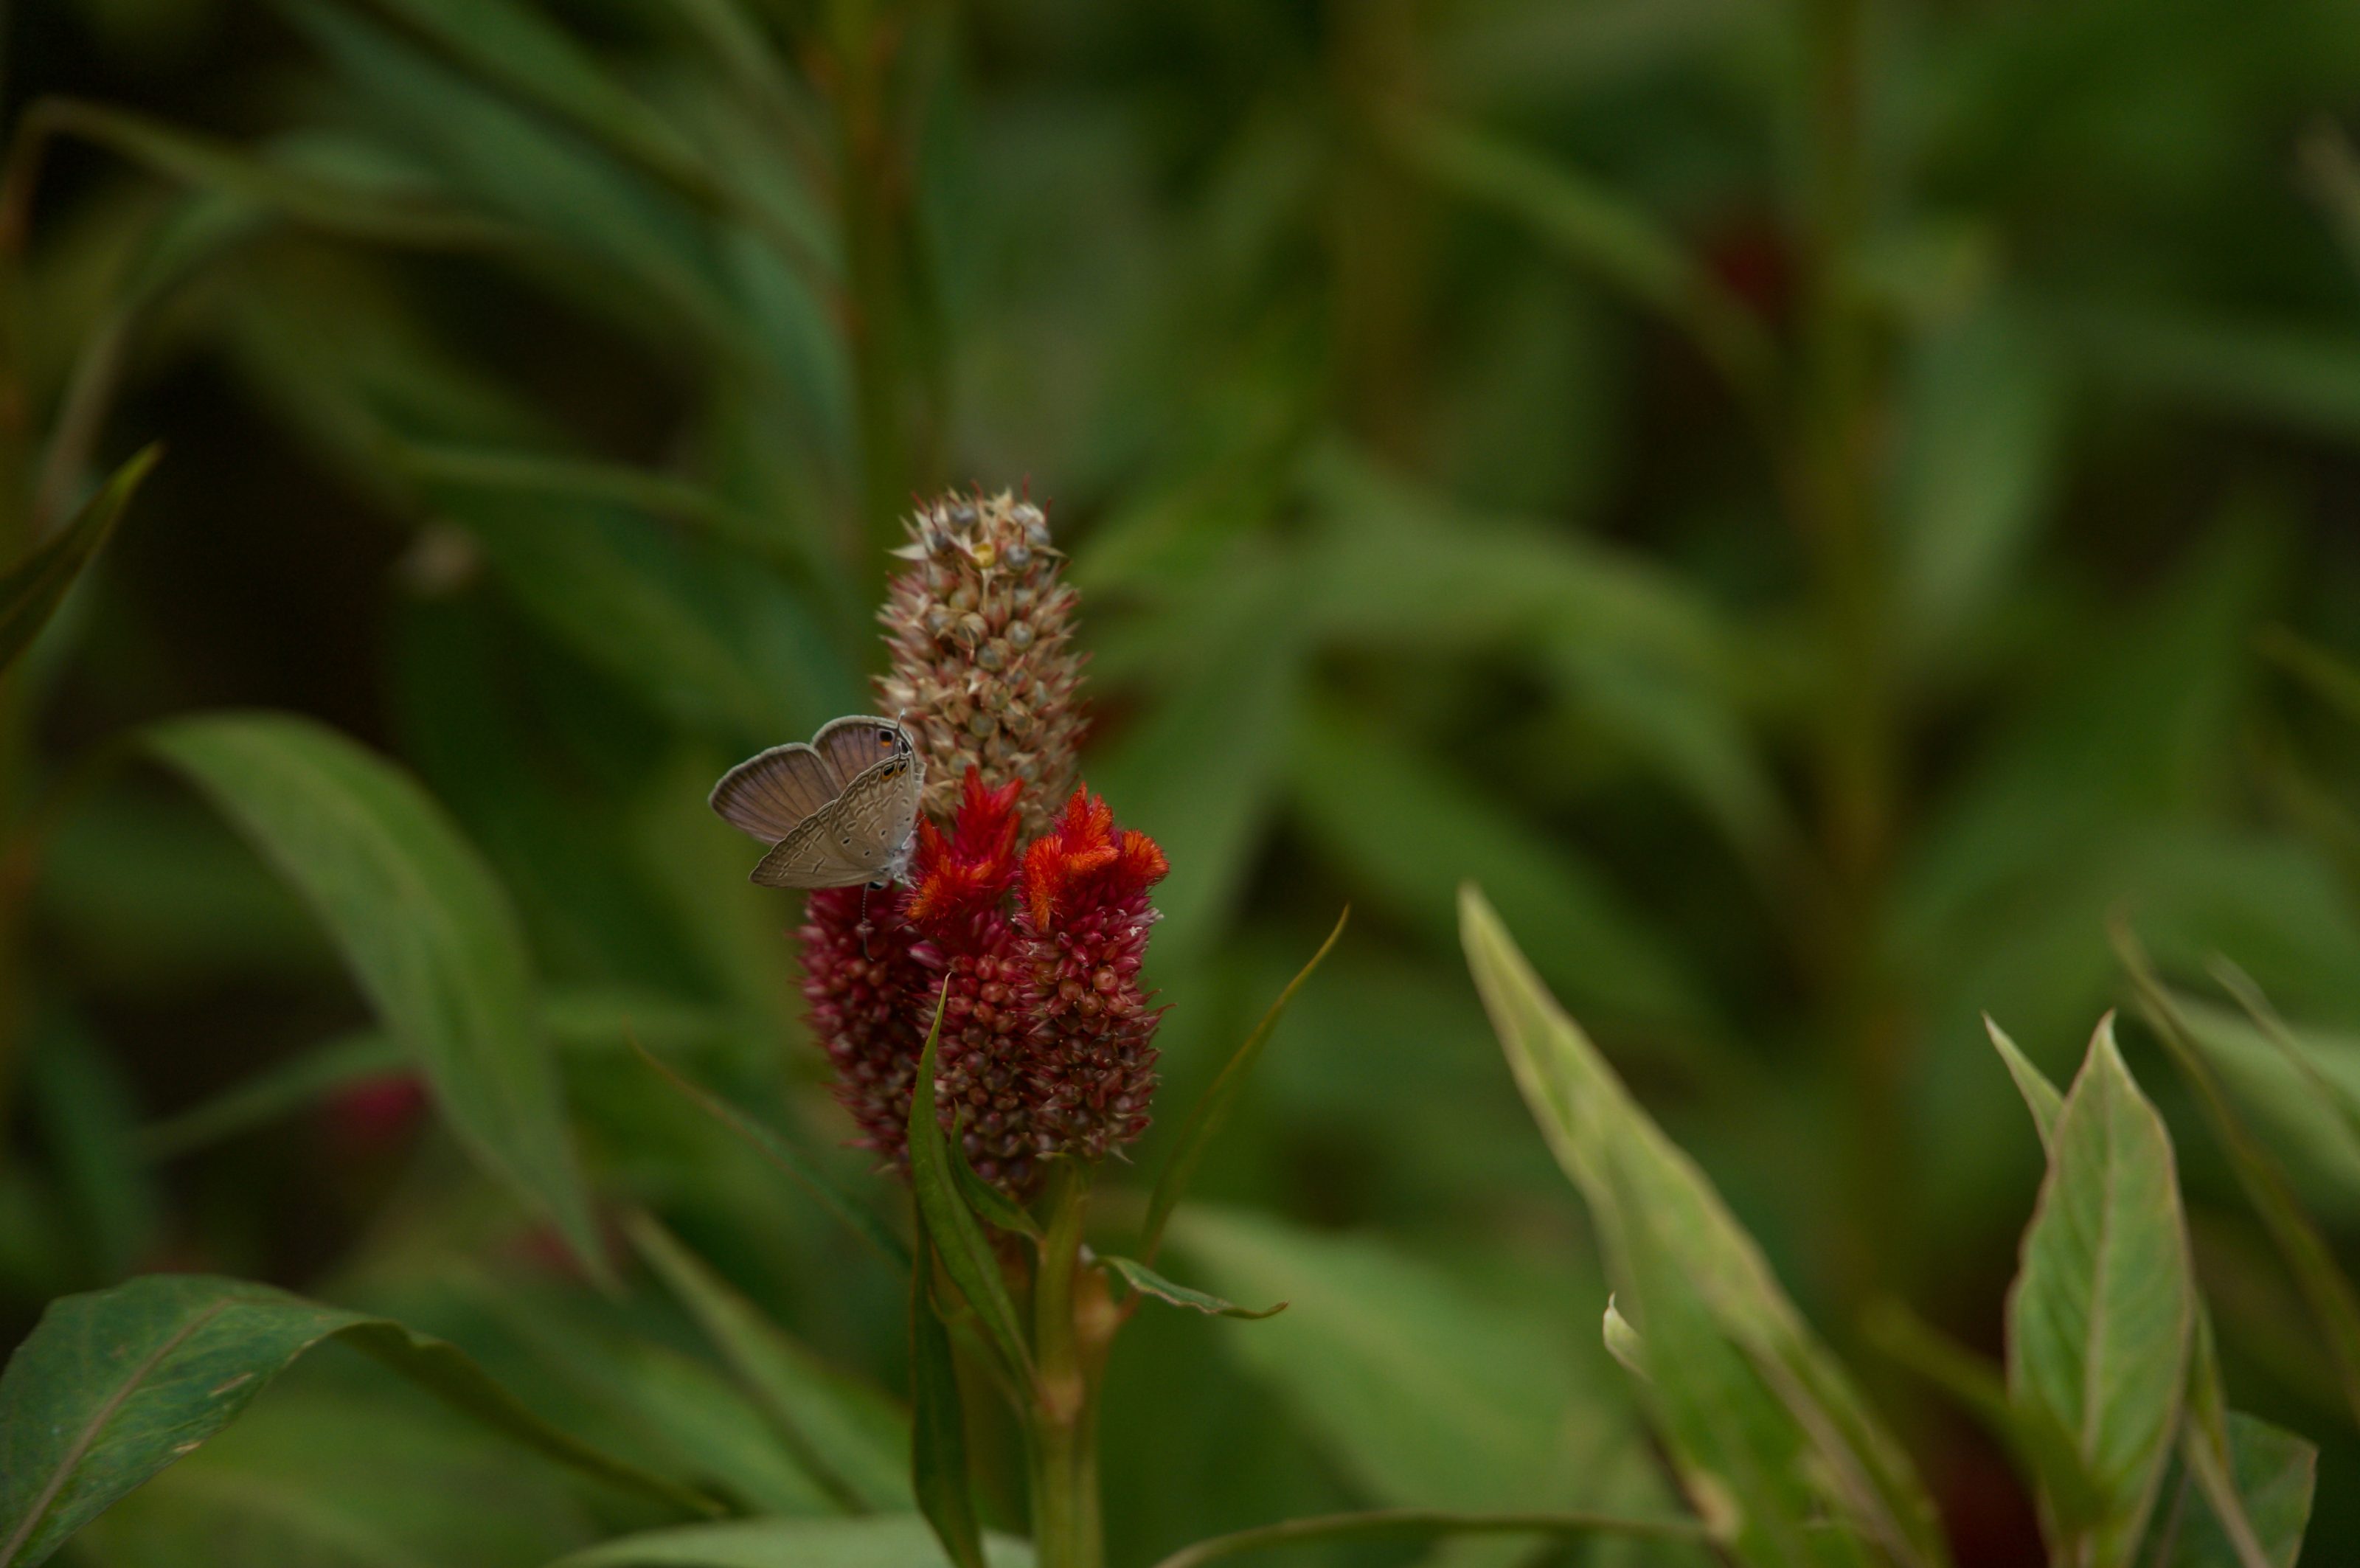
(987, 1026)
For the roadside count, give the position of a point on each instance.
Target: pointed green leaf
(938, 1465)
(275, 1091)
(1610, 1148)
(113, 1386)
(2102, 1310)
(967, 1253)
(846, 1435)
(2256, 1509)
(425, 926)
(1205, 1117)
(31, 591)
(1623, 1342)
(1147, 1282)
(2040, 1096)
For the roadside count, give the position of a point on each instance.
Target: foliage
(1820, 509)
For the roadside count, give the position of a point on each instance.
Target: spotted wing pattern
(861, 836)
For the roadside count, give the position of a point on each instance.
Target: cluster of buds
(1028, 924)
(984, 672)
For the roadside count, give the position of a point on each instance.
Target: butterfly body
(839, 812)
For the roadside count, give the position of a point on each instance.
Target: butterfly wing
(772, 795)
(817, 854)
(862, 835)
(853, 745)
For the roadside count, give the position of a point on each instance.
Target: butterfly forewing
(769, 795)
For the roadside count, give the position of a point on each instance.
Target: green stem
(1834, 490)
(1068, 1347)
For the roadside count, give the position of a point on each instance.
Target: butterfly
(838, 812)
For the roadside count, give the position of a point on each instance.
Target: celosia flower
(860, 972)
(1084, 906)
(958, 903)
(1047, 1044)
(983, 670)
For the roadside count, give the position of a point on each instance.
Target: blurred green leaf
(1427, 1393)
(1423, 1525)
(1597, 228)
(938, 1461)
(2274, 1473)
(113, 1386)
(331, 1473)
(2329, 1294)
(275, 1091)
(2040, 1096)
(362, 211)
(1212, 1109)
(848, 1435)
(1198, 775)
(791, 1543)
(1409, 831)
(31, 589)
(1616, 1155)
(2100, 1316)
(428, 932)
(88, 1121)
(1147, 1282)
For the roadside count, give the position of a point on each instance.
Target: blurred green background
(1817, 507)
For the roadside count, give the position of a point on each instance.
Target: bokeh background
(1816, 506)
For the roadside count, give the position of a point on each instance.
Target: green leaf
(2324, 1288)
(2102, 1310)
(846, 1435)
(1205, 1117)
(1147, 1282)
(1611, 1149)
(31, 591)
(1426, 1390)
(938, 1464)
(388, 217)
(1595, 226)
(1622, 1342)
(274, 1092)
(1747, 1463)
(1424, 1525)
(2269, 1479)
(112, 1386)
(1409, 830)
(426, 928)
(967, 1253)
(989, 1203)
(2040, 1096)
(791, 1543)
(781, 1151)
(2044, 1451)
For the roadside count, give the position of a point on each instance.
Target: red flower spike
(1087, 915)
(856, 984)
(959, 905)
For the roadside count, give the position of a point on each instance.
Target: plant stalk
(1072, 1324)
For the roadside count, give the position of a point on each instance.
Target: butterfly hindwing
(853, 745)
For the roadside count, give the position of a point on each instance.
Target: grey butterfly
(836, 813)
